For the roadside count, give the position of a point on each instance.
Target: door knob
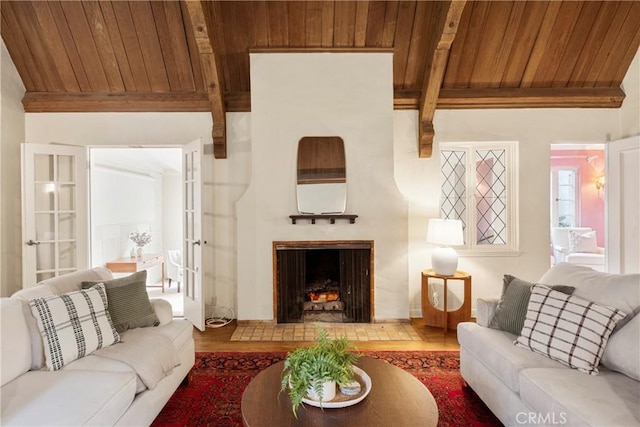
(31, 242)
(197, 242)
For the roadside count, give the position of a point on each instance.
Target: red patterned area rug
(213, 396)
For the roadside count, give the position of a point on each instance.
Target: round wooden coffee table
(396, 399)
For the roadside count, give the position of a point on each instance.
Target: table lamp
(446, 233)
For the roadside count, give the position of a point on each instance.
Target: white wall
(121, 203)
(534, 129)
(12, 130)
(630, 110)
(329, 94)
(118, 129)
(224, 184)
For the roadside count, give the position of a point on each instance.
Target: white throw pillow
(73, 325)
(566, 328)
(583, 243)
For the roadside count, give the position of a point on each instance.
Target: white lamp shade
(447, 232)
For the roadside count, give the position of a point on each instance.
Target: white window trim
(512, 203)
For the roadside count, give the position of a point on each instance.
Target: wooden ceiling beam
(434, 73)
(61, 102)
(568, 97)
(449, 99)
(212, 74)
(65, 102)
(485, 98)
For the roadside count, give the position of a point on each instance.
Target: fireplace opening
(323, 282)
(322, 301)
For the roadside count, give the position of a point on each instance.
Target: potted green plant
(307, 369)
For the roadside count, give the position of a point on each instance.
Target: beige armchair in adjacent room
(174, 266)
(577, 245)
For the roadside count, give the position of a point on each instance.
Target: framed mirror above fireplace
(323, 281)
(321, 186)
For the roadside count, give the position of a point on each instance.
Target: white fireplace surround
(349, 95)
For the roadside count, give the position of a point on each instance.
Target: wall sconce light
(600, 183)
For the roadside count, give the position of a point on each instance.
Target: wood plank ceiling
(194, 56)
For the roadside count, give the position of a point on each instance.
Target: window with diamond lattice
(478, 187)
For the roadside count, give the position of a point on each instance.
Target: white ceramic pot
(328, 392)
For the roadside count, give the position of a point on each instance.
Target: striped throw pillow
(567, 328)
(73, 325)
(129, 304)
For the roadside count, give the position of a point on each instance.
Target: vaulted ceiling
(194, 55)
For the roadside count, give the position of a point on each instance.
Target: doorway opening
(138, 190)
(578, 205)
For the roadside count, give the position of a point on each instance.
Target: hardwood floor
(218, 339)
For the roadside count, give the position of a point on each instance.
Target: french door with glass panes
(54, 195)
(564, 197)
(193, 296)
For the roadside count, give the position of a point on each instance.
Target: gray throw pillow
(622, 345)
(512, 308)
(128, 301)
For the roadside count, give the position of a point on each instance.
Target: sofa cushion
(615, 290)
(622, 353)
(568, 329)
(512, 308)
(16, 345)
(152, 355)
(73, 325)
(495, 349)
(37, 346)
(63, 284)
(485, 310)
(67, 398)
(179, 331)
(32, 293)
(53, 286)
(93, 362)
(608, 399)
(163, 310)
(129, 304)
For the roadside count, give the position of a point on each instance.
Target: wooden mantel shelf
(331, 218)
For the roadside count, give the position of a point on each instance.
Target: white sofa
(562, 248)
(524, 388)
(92, 390)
